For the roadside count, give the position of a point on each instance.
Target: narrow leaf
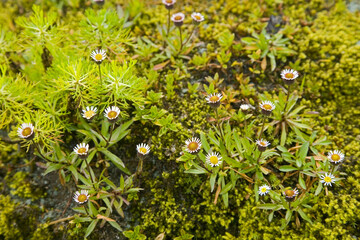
(91, 227)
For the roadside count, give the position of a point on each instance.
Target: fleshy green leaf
(302, 182)
(91, 227)
(303, 215)
(287, 168)
(116, 161)
(319, 188)
(204, 142)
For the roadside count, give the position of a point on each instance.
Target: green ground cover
(161, 76)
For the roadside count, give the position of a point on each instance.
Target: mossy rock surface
(36, 80)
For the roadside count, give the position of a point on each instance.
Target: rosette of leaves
(264, 46)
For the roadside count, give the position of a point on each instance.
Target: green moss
(20, 186)
(18, 221)
(7, 229)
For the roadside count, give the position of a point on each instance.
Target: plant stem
(241, 174)
(262, 127)
(189, 36)
(287, 98)
(88, 167)
(38, 149)
(86, 211)
(140, 166)
(181, 43)
(258, 160)
(222, 135)
(100, 74)
(218, 123)
(111, 131)
(168, 24)
(98, 130)
(61, 220)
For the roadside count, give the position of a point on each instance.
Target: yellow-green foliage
(171, 209)
(323, 33)
(17, 221)
(20, 186)
(7, 229)
(329, 56)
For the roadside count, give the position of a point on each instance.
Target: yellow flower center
(143, 150)
(169, 1)
(89, 114)
(289, 75)
(177, 18)
(214, 159)
(82, 150)
(214, 99)
(26, 132)
(82, 198)
(98, 56)
(197, 17)
(263, 190)
(327, 179)
(112, 114)
(262, 144)
(289, 193)
(335, 157)
(193, 146)
(267, 106)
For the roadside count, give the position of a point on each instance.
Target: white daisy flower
(178, 19)
(81, 149)
(213, 159)
(193, 145)
(169, 4)
(291, 193)
(98, 55)
(89, 112)
(245, 107)
(289, 74)
(262, 144)
(264, 189)
(26, 130)
(327, 179)
(99, 2)
(82, 196)
(336, 156)
(112, 113)
(143, 149)
(214, 98)
(197, 17)
(267, 107)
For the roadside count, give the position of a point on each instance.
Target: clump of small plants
(95, 103)
(285, 177)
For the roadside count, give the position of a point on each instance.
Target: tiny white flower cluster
(289, 74)
(264, 189)
(111, 113)
(336, 156)
(214, 98)
(26, 130)
(178, 18)
(213, 159)
(193, 145)
(327, 179)
(143, 149)
(81, 149)
(81, 197)
(98, 55)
